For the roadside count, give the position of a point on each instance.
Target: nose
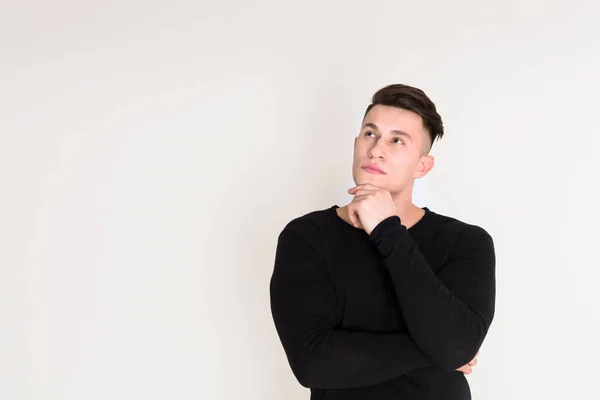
(376, 151)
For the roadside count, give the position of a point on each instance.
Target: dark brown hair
(411, 99)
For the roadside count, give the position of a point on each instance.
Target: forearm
(444, 325)
(334, 359)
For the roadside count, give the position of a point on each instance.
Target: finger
(466, 370)
(367, 186)
(363, 192)
(473, 362)
(353, 216)
(357, 199)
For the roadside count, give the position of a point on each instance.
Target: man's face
(395, 142)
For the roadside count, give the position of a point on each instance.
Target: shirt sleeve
(448, 314)
(303, 308)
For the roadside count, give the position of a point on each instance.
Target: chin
(372, 179)
(361, 177)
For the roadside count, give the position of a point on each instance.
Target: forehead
(389, 118)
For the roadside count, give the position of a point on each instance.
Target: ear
(425, 165)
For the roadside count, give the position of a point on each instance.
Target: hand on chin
(371, 205)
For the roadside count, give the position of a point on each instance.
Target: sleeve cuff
(383, 235)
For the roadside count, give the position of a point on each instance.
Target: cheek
(359, 153)
(404, 168)
(403, 163)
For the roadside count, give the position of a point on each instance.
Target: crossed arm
(458, 301)
(322, 356)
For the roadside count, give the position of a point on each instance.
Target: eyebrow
(393, 132)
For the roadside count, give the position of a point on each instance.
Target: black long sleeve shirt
(390, 315)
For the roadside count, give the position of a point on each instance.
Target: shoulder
(308, 227)
(302, 237)
(461, 233)
(310, 222)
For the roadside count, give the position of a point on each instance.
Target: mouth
(373, 169)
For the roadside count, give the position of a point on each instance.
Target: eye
(367, 133)
(397, 140)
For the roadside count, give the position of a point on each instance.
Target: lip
(373, 169)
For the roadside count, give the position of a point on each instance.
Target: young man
(381, 299)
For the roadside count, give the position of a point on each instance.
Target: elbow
(454, 359)
(456, 355)
(306, 381)
(313, 369)
(300, 371)
(314, 373)
(451, 358)
(306, 376)
(461, 352)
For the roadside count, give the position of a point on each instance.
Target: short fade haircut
(411, 99)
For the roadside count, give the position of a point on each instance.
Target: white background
(151, 152)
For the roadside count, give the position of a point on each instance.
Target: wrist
(383, 226)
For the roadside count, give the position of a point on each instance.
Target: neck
(408, 212)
